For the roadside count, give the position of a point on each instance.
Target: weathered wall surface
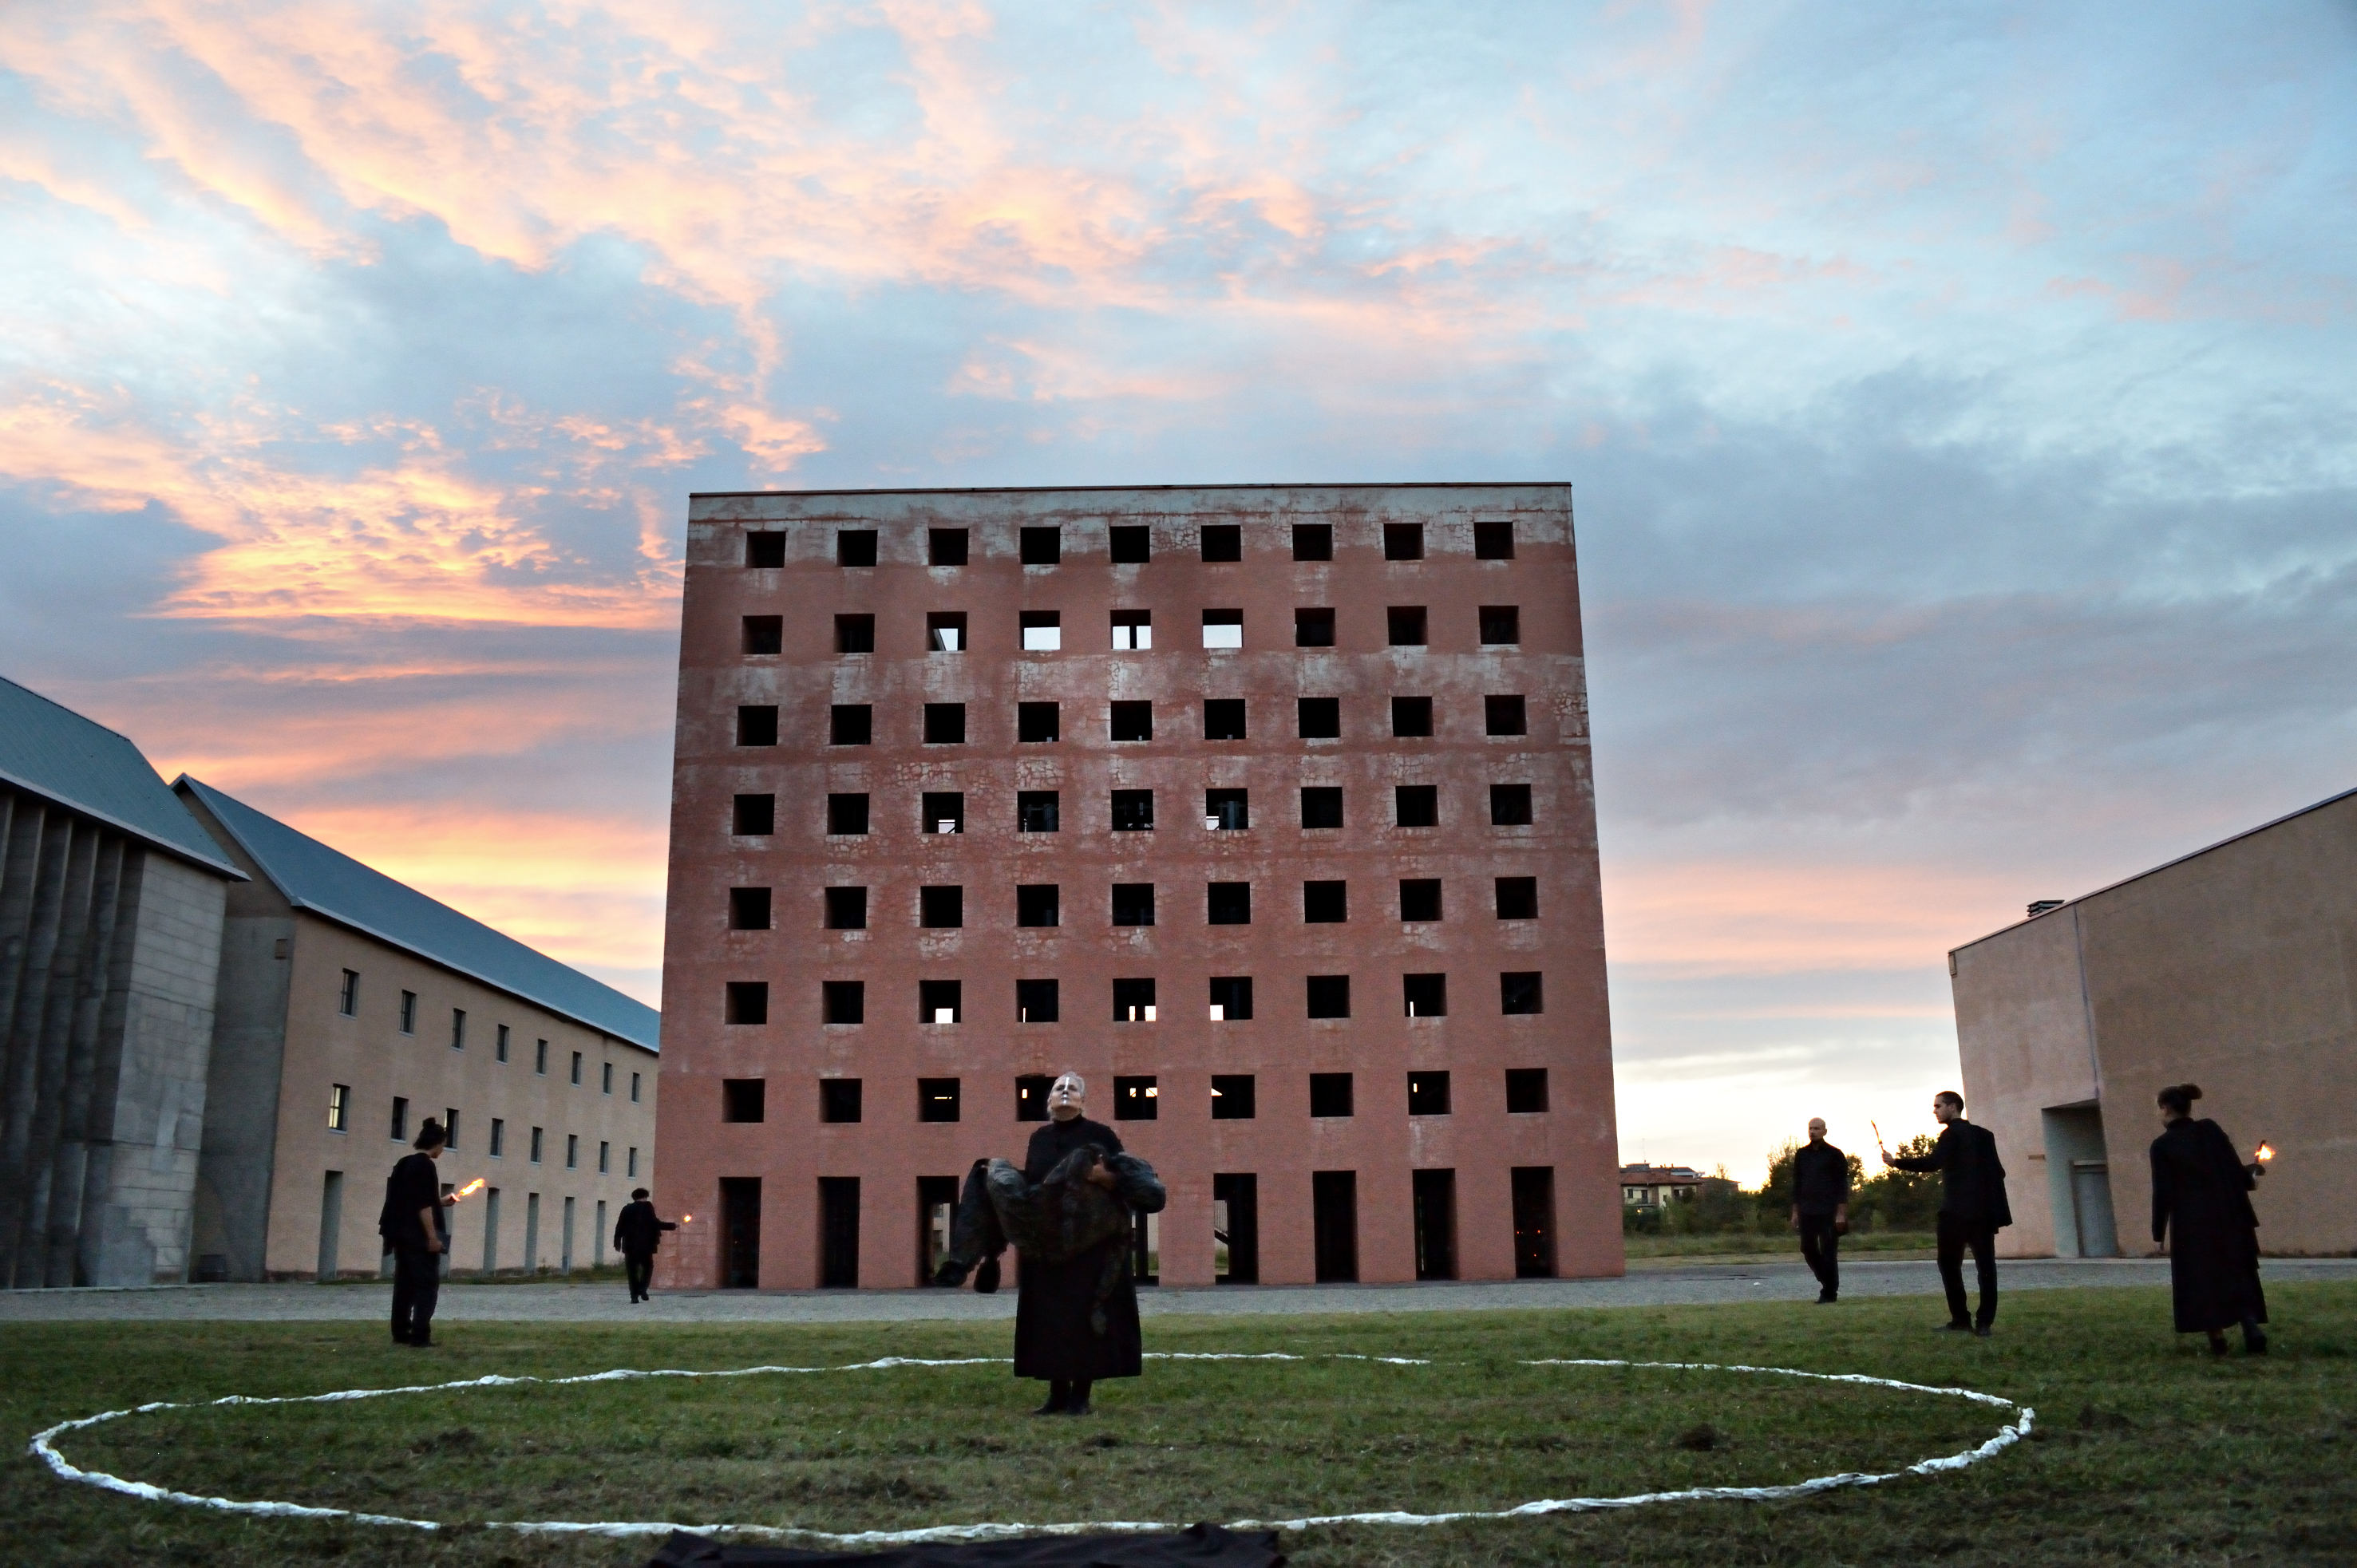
(2235, 969)
(890, 1148)
(108, 952)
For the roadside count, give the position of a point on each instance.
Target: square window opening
(741, 1100)
(940, 908)
(1232, 999)
(748, 910)
(1420, 898)
(847, 908)
(854, 634)
(1518, 898)
(1037, 1002)
(1330, 1094)
(1428, 1094)
(1039, 811)
(1228, 903)
(1330, 996)
(764, 636)
(765, 550)
(754, 816)
(945, 547)
(940, 812)
(1038, 904)
(1321, 806)
(1494, 541)
(850, 724)
(1132, 1001)
(937, 1100)
(1313, 542)
(1234, 1097)
(944, 723)
(1501, 625)
(1132, 811)
(1136, 1099)
(1041, 546)
(1405, 625)
(1504, 715)
(1224, 718)
(1319, 718)
(1520, 993)
(1526, 1090)
(1427, 995)
(853, 547)
(1223, 541)
(1412, 718)
(846, 815)
(1043, 630)
(1031, 1097)
(1227, 811)
(1131, 721)
(1403, 542)
(839, 1099)
(1313, 629)
(1133, 903)
(1130, 545)
(940, 1002)
(945, 631)
(757, 725)
(1325, 903)
(1510, 805)
(843, 1001)
(1223, 629)
(1036, 723)
(747, 1001)
(1416, 805)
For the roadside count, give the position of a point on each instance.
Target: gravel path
(1700, 1283)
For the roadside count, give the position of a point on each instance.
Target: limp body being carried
(1067, 1214)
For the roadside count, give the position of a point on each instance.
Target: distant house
(1649, 1187)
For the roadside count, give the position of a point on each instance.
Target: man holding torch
(417, 1233)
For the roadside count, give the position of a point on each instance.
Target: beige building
(351, 1008)
(2234, 968)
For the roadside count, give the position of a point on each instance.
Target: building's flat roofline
(2157, 870)
(1106, 489)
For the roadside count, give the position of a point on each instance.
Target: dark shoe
(1078, 1407)
(1053, 1407)
(2217, 1344)
(985, 1278)
(2255, 1344)
(1982, 1332)
(1826, 1298)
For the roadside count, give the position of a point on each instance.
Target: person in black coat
(1973, 1209)
(2202, 1206)
(1054, 1339)
(638, 1232)
(417, 1233)
(1820, 1207)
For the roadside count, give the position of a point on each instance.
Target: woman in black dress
(1053, 1337)
(2201, 1205)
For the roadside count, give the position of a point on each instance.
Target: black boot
(2255, 1339)
(1058, 1391)
(1077, 1402)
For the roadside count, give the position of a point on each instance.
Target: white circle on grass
(43, 1447)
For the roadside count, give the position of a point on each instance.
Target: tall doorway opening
(937, 1197)
(1334, 1221)
(838, 1232)
(1235, 1229)
(741, 1232)
(1435, 1194)
(2079, 1181)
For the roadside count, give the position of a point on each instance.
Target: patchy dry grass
(2150, 1452)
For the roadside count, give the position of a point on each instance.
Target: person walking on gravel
(1820, 1207)
(637, 1233)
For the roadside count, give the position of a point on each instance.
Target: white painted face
(1816, 1129)
(1067, 1097)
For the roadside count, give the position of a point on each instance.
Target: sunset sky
(1959, 400)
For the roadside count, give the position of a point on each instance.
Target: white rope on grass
(43, 1447)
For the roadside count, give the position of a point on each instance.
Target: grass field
(2147, 1450)
(1740, 1247)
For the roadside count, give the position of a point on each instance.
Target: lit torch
(468, 1190)
(2267, 1151)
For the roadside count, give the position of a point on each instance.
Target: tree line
(1893, 1200)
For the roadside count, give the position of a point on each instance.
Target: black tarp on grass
(1203, 1546)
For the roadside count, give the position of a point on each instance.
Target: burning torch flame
(468, 1190)
(687, 1220)
(1878, 1132)
(2266, 1152)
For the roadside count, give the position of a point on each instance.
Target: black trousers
(416, 1284)
(1822, 1247)
(641, 1268)
(1955, 1235)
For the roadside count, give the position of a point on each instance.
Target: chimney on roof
(2040, 906)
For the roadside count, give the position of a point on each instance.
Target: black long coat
(2201, 1205)
(1052, 1336)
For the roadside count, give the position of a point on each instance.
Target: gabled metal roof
(331, 884)
(49, 751)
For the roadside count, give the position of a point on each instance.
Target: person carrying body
(2202, 1206)
(638, 1232)
(1820, 1207)
(1054, 1336)
(417, 1233)
(1973, 1209)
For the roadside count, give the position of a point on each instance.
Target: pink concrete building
(1268, 808)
